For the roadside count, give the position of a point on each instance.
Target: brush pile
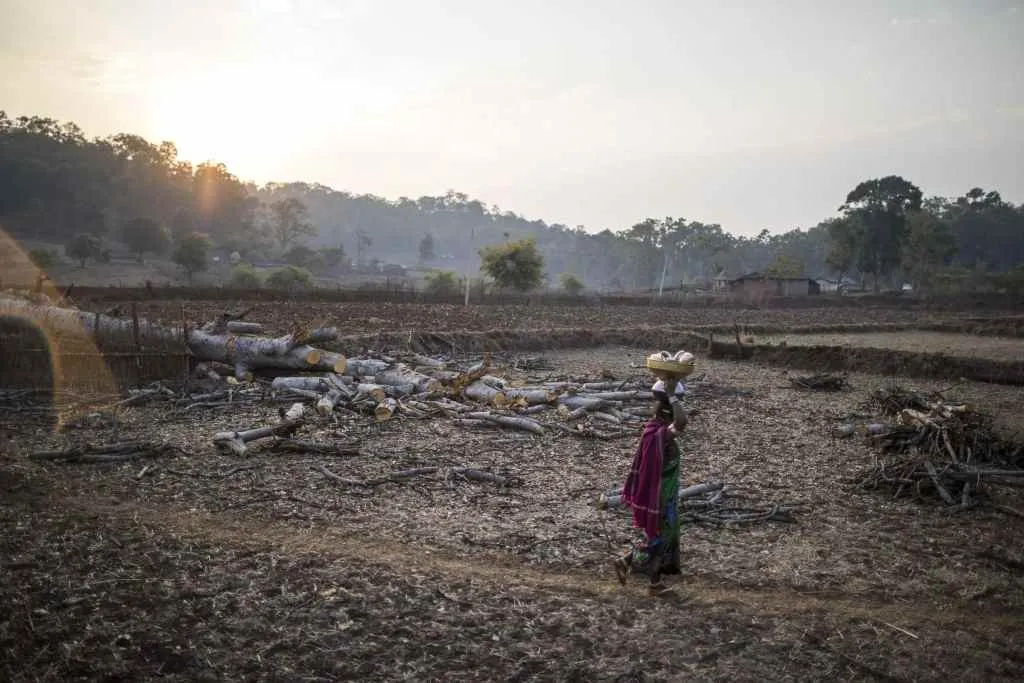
(933, 449)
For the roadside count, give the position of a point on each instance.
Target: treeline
(125, 193)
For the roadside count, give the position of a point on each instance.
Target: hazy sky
(761, 114)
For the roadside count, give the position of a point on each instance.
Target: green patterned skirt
(666, 545)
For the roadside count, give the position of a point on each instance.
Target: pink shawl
(642, 491)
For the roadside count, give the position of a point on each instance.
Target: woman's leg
(656, 553)
(623, 565)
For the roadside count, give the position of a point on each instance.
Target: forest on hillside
(126, 193)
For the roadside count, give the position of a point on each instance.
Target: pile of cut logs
(472, 395)
(935, 449)
(228, 351)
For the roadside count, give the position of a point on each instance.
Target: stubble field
(205, 566)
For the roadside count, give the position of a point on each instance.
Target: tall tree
(785, 266)
(145, 236)
(427, 248)
(844, 234)
(989, 230)
(363, 242)
(290, 222)
(880, 207)
(929, 247)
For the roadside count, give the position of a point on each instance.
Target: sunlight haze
(752, 115)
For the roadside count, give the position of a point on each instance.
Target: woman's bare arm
(679, 417)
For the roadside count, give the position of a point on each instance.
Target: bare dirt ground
(207, 567)
(969, 346)
(361, 318)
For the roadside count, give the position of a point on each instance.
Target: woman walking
(652, 486)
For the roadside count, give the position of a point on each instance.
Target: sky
(758, 114)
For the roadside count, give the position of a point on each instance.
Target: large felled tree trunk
(245, 354)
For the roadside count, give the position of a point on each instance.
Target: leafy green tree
(290, 278)
(192, 253)
(144, 235)
(571, 284)
(441, 282)
(427, 248)
(881, 207)
(844, 235)
(515, 265)
(302, 256)
(333, 256)
(44, 259)
(785, 266)
(988, 229)
(289, 222)
(182, 223)
(84, 247)
(244, 276)
(930, 246)
(1012, 281)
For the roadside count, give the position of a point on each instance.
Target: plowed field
(204, 566)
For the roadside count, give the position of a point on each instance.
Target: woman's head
(671, 371)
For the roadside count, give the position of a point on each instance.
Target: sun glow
(226, 115)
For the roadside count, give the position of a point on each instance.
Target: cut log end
(385, 410)
(312, 357)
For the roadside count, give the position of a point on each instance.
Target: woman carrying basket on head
(652, 486)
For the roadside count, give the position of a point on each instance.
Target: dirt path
(338, 547)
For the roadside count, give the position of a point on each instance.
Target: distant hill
(56, 184)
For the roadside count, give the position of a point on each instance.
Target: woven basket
(671, 367)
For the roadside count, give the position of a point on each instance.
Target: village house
(844, 286)
(720, 283)
(759, 285)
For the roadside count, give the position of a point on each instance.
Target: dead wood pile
(236, 367)
(933, 449)
(474, 394)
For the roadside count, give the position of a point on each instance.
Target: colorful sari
(652, 491)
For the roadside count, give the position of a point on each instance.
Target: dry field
(962, 345)
(361, 318)
(204, 566)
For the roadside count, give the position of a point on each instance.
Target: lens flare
(43, 343)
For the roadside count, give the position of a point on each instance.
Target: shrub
(245, 276)
(333, 257)
(514, 265)
(571, 284)
(442, 282)
(290, 278)
(44, 259)
(302, 256)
